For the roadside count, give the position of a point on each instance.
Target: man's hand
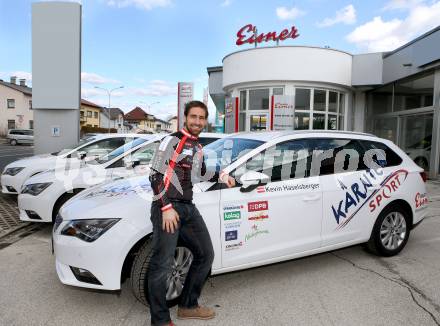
(170, 220)
(228, 180)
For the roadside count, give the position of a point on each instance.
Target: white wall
(21, 108)
(287, 63)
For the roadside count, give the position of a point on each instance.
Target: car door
(275, 220)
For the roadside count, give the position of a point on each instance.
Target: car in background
(43, 194)
(290, 201)
(15, 173)
(20, 136)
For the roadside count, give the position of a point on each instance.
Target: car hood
(125, 198)
(32, 160)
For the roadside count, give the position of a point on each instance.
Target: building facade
(15, 106)
(89, 114)
(394, 95)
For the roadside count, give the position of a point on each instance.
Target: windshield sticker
(117, 191)
(356, 196)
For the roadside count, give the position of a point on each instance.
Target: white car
(43, 194)
(298, 194)
(16, 173)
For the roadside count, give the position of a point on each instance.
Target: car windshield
(84, 140)
(118, 151)
(225, 151)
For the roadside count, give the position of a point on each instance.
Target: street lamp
(109, 92)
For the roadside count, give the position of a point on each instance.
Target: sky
(148, 46)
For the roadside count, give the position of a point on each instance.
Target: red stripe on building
(236, 114)
(271, 112)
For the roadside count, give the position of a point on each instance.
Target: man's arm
(213, 176)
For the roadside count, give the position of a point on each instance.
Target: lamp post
(109, 92)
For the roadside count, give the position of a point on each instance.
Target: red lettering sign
(247, 34)
(257, 206)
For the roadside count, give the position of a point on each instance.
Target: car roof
(270, 135)
(212, 135)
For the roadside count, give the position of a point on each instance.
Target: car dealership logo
(356, 195)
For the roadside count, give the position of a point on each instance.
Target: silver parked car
(20, 136)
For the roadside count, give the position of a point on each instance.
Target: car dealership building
(394, 95)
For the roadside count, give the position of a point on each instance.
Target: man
(177, 161)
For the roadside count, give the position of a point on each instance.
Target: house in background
(89, 114)
(113, 118)
(173, 123)
(161, 125)
(140, 121)
(15, 105)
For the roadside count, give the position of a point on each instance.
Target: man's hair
(195, 104)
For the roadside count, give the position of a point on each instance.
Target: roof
(268, 135)
(23, 89)
(88, 103)
(160, 120)
(137, 114)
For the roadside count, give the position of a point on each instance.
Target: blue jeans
(193, 234)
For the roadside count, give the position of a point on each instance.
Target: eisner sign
(247, 34)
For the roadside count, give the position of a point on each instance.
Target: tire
(394, 225)
(139, 272)
(13, 142)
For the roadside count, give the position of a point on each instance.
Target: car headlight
(88, 230)
(13, 171)
(35, 188)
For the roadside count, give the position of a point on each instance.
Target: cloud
(401, 4)
(346, 15)
(140, 4)
(19, 74)
(380, 35)
(284, 13)
(156, 88)
(92, 78)
(226, 3)
(94, 92)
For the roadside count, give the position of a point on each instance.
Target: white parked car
(15, 173)
(298, 194)
(43, 194)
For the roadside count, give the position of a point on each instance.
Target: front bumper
(11, 184)
(103, 258)
(42, 205)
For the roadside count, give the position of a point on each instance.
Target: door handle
(311, 198)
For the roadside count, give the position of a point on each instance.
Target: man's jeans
(193, 234)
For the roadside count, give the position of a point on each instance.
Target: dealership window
(11, 124)
(381, 100)
(11, 103)
(319, 100)
(414, 93)
(278, 91)
(332, 101)
(31, 124)
(302, 99)
(243, 100)
(259, 99)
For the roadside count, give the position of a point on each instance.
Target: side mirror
(252, 179)
(82, 155)
(130, 164)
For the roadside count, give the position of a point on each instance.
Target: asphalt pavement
(344, 287)
(10, 153)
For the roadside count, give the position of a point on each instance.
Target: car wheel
(421, 161)
(13, 142)
(175, 280)
(391, 231)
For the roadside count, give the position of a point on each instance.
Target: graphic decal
(234, 215)
(116, 191)
(258, 206)
(233, 246)
(233, 225)
(356, 196)
(231, 235)
(255, 231)
(287, 187)
(421, 201)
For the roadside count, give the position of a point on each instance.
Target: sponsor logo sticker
(255, 231)
(232, 207)
(258, 217)
(421, 200)
(231, 235)
(234, 246)
(235, 215)
(258, 206)
(233, 225)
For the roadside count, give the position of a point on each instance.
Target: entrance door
(258, 121)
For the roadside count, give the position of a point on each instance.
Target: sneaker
(203, 313)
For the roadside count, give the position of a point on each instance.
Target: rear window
(385, 157)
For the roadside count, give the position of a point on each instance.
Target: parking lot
(344, 287)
